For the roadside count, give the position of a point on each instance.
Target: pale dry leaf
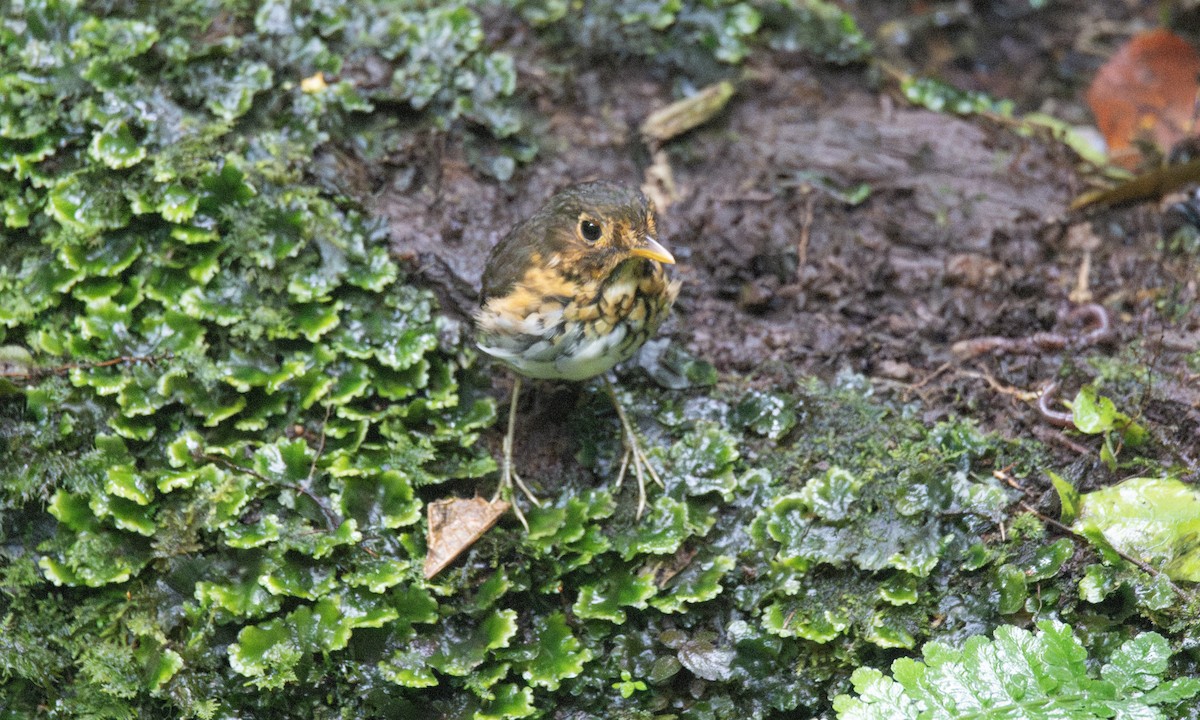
(454, 525)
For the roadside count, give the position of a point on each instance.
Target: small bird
(570, 292)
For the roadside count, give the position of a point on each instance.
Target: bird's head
(603, 223)
(584, 232)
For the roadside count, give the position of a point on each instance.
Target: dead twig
(1049, 435)
(914, 387)
(993, 383)
(686, 114)
(1140, 564)
(1003, 476)
(38, 373)
(805, 232)
(331, 520)
(312, 469)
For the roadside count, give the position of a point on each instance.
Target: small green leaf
(408, 668)
(162, 668)
(125, 514)
(108, 258)
(1011, 583)
(1093, 413)
(383, 499)
(804, 620)
(1098, 582)
(179, 205)
(125, 481)
(559, 654)
(71, 510)
(767, 414)
(627, 685)
(509, 701)
(662, 532)
(705, 659)
(377, 574)
(116, 147)
(241, 598)
(555, 527)
(230, 98)
(1138, 665)
(1048, 560)
(1156, 520)
(879, 698)
(699, 582)
(88, 208)
(886, 632)
(315, 319)
(899, 589)
(270, 653)
(183, 449)
(705, 459)
(267, 530)
(618, 589)
(460, 655)
(1068, 498)
(831, 495)
(300, 580)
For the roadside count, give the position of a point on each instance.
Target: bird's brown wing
(509, 260)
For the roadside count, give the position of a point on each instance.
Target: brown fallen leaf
(668, 568)
(454, 525)
(1146, 91)
(686, 114)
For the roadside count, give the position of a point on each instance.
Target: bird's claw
(634, 452)
(508, 478)
(508, 473)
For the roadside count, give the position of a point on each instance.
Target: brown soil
(965, 234)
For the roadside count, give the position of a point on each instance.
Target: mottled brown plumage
(573, 290)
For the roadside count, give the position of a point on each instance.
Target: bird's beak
(651, 250)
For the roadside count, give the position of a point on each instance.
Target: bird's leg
(633, 452)
(508, 473)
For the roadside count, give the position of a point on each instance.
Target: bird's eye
(589, 230)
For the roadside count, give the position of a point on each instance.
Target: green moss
(697, 38)
(203, 307)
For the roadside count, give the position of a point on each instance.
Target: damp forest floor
(964, 234)
(790, 276)
(236, 368)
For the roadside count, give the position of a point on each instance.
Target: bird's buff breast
(565, 331)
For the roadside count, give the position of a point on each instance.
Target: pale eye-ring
(589, 230)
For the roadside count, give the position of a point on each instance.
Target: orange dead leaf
(454, 525)
(1147, 90)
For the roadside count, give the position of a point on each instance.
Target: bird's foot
(508, 473)
(509, 478)
(633, 454)
(641, 468)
